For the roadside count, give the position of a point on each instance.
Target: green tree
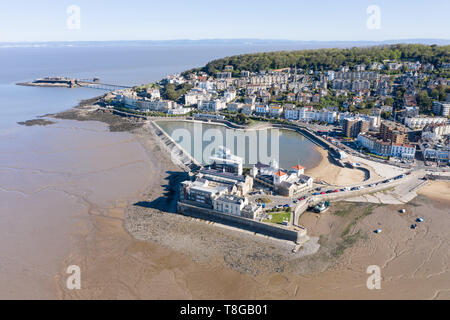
(424, 101)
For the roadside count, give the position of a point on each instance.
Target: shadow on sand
(168, 201)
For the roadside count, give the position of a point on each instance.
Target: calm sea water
(50, 176)
(127, 65)
(287, 147)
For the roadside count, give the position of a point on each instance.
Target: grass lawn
(278, 217)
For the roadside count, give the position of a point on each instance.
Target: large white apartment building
(420, 122)
(377, 146)
(213, 105)
(291, 113)
(404, 151)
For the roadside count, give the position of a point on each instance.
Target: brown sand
(115, 265)
(439, 190)
(330, 173)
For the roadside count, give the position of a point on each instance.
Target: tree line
(331, 59)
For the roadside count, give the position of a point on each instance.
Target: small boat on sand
(322, 207)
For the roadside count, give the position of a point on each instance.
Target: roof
(280, 173)
(298, 167)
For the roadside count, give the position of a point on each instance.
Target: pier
(66, 82)
(100, 86)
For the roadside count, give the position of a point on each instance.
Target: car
(420, 220)
(316, 193)
(295, 201)
(330, 191)
(354, 189)
(287, 206)
(323, 192)
(279, 206)
(385, 181)
(361, 187)
(378, 231)
(343, 190)
(371, 185)
(414, 226)
(408, 173)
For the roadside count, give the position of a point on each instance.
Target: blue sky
(322, 20)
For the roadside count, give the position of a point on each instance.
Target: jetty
(65, 82)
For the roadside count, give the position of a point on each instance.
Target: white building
(291, 113)
(224, 156)
(436, 131)
(325, 116)
(229, 95)
(261, 109)
(230, 204)
(421, 122)
(306, 114)
(403, 151)
(179, 111)
(213, 105)
(366, 141)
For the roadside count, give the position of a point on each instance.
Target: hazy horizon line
(229, 39)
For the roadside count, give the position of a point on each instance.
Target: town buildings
(393, 132)
(420, 122)
(221, 187)
(352, 127)
(284, 182)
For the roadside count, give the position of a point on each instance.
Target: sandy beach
(129, 243)
(330, 173)
(439, 190)
(143, 250)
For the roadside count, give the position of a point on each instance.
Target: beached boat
(322, 207)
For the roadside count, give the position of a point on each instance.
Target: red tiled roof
(280, 173)
(298, 167)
